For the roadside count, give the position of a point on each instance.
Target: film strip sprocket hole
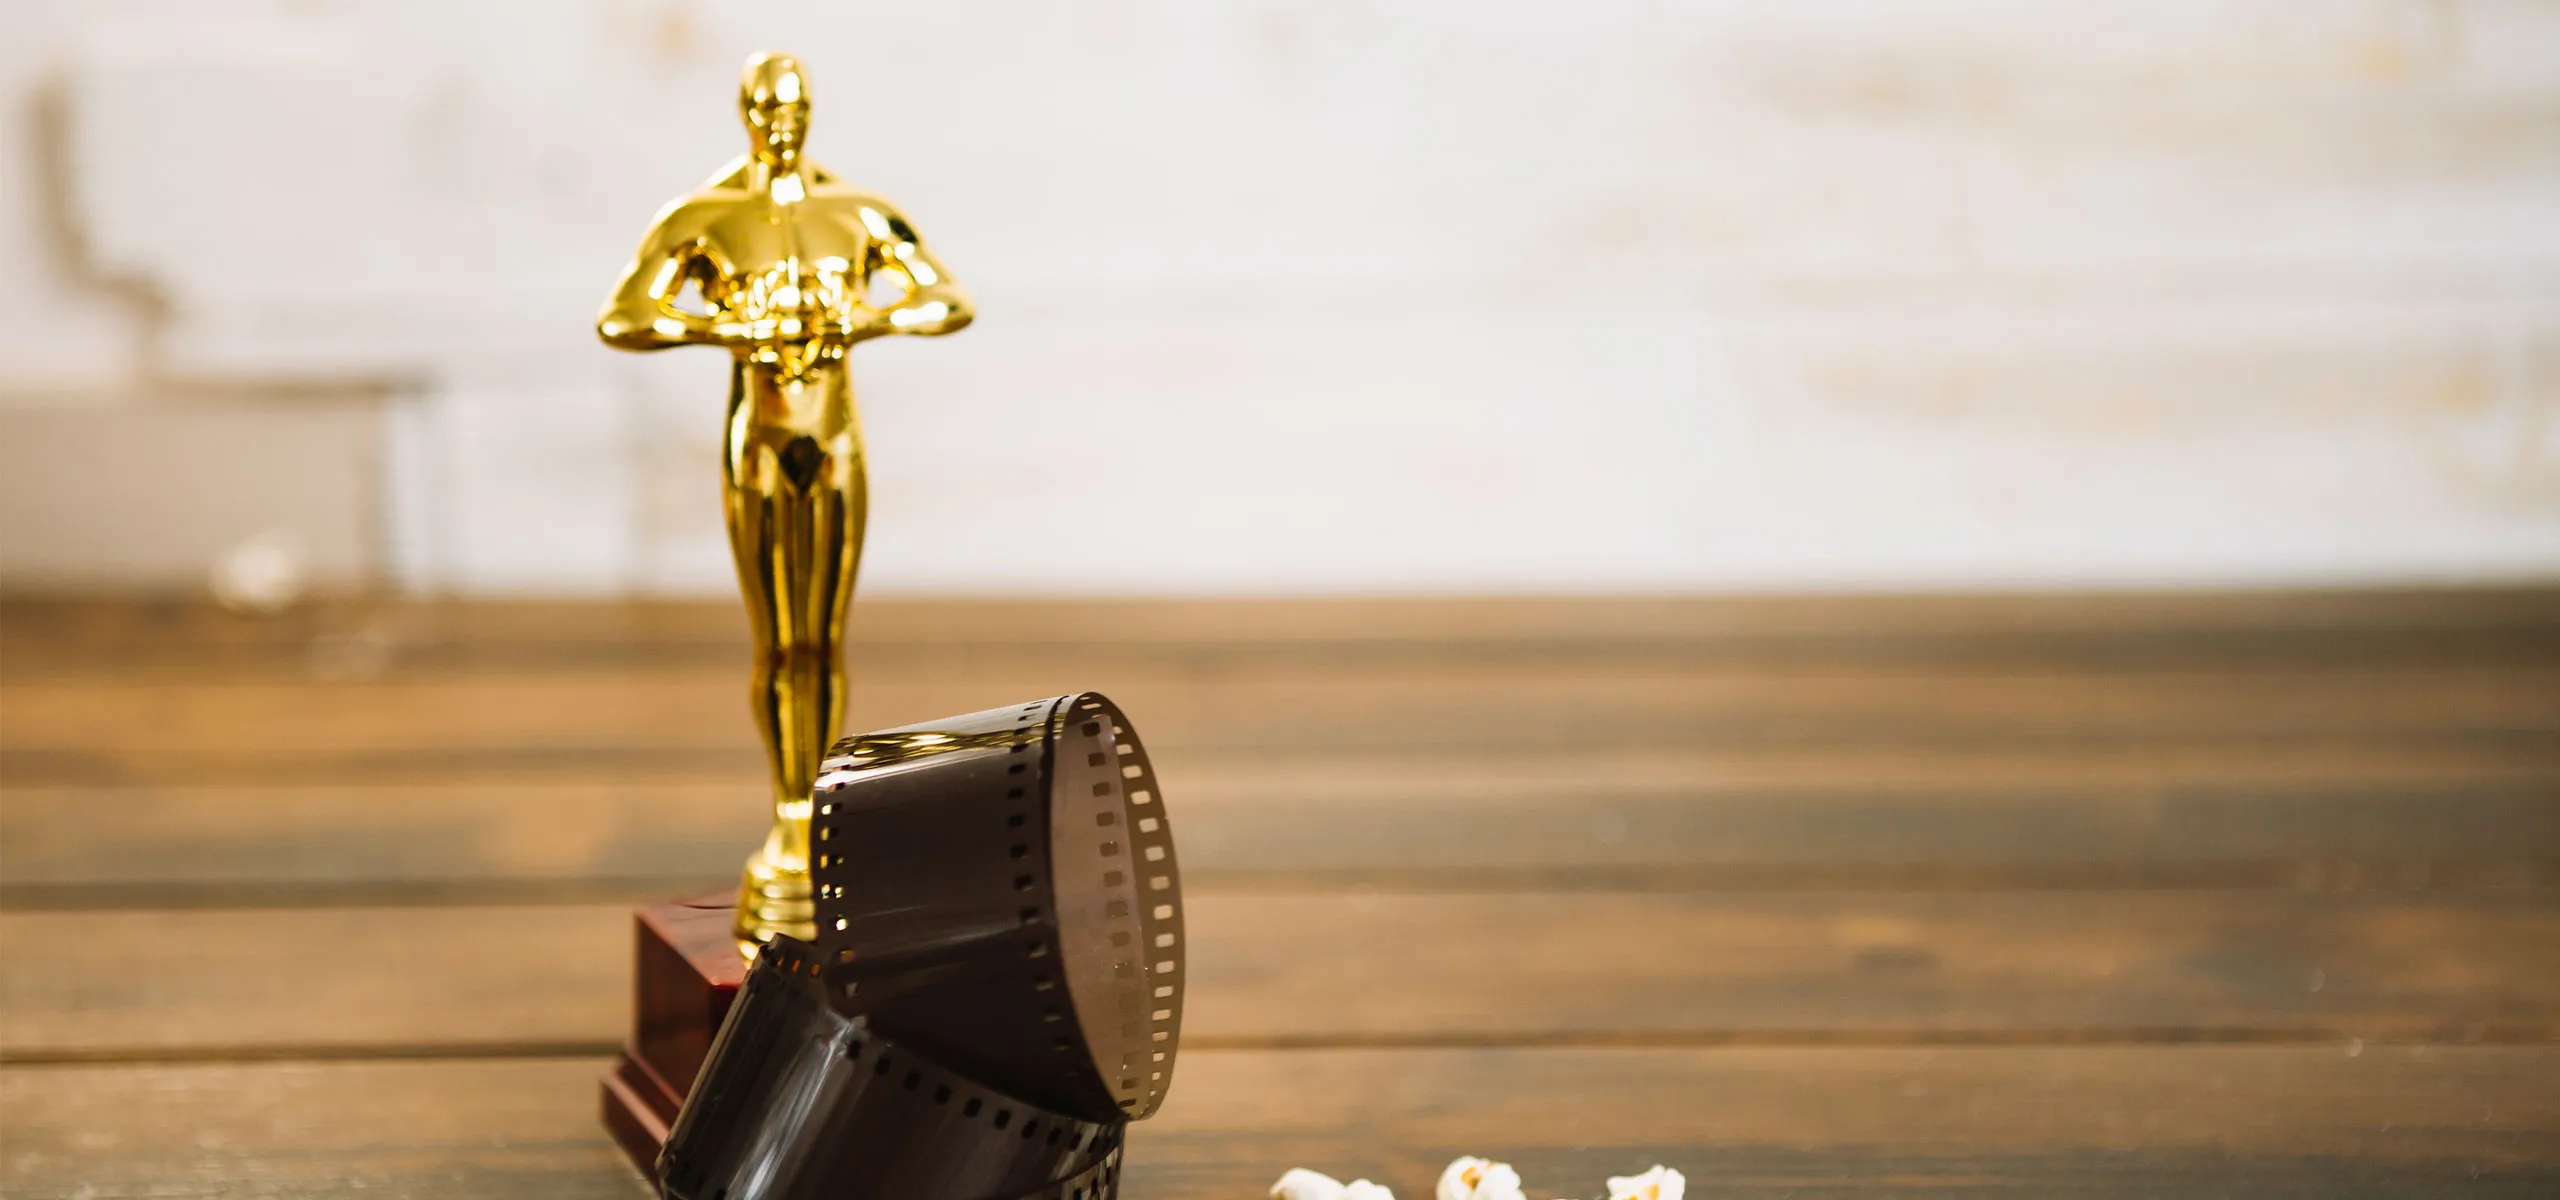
(1002, 887)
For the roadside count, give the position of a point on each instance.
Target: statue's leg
(796, 509)
(819, 545)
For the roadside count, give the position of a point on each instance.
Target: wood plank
(39, 637)
(2354, 816)
(1301, 969)
(2119, 1121)
(101, 730)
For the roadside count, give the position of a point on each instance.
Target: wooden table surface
(2221, 895)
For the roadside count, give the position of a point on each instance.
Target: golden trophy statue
(783, 258)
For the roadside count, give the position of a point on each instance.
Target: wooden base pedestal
(686, 972)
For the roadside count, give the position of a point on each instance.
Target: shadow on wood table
(2114, 895)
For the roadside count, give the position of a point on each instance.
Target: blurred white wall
(1306, 296)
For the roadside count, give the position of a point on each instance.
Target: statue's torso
(776, 260)
(771, 261)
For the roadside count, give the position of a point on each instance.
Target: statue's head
(774, 98)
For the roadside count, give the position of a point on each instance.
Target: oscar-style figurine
(778, 262)
(784, 258)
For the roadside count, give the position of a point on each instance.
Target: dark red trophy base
(684, 977)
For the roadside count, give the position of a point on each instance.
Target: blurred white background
(1296, 296)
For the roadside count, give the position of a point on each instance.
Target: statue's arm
(642, 314)
(935, 303)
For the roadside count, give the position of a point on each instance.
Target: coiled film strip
(1000, 888)
(799, 1100)
(1000, 949)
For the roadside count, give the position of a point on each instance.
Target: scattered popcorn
(1303, 1184)
(1472, 1179)
(1660, 1183)
(1480, 1179)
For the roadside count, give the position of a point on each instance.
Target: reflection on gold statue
(775, 261)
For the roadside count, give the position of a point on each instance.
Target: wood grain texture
(2334, 1120)
(1386, 968)
(910, 638)
(91, 733)
(2354, 816)
(2128, 895)
(495, 687)
(558, 751)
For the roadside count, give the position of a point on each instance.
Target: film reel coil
(996, 989)
(1039, 943)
